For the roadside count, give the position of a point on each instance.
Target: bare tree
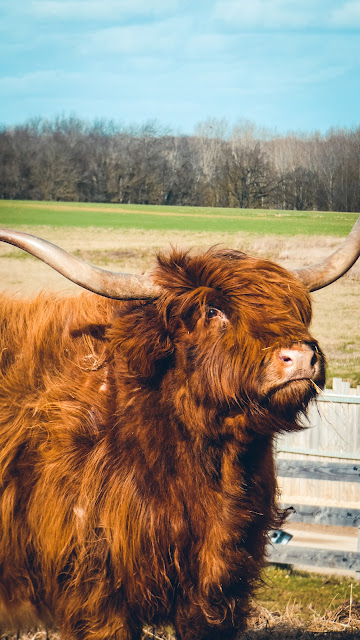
(249, 175)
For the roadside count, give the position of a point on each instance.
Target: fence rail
(325, 471)
(332, 516)
(349, 560)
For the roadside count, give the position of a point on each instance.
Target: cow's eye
(212, 312)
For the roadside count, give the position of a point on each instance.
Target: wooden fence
(324, 515)
(319, 476)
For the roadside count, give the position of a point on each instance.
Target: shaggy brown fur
(137, 475)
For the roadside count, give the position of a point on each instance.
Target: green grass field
(261, 221)
(283, 585)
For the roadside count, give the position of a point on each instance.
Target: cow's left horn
(323, 273)
(120, 286)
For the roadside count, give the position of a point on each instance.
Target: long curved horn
(120, 286)
(323, 273)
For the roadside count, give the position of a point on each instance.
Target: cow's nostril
(285, 357)
(313, 359)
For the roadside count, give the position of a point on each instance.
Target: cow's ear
(140, 342)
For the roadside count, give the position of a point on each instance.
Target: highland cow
(136, 439)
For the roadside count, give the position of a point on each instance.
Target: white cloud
(37, 82)
(136, 40)
(97, 9)
(288, 14)
(72, 85)
(346, 16)
(265, 14)
(203, 45)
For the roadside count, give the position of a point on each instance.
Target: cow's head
(238, 330)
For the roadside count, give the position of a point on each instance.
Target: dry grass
(336, 309)
(342, 623)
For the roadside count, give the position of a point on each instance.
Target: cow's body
(137, 475)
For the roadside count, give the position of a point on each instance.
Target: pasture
(164, 218)
(127, 238)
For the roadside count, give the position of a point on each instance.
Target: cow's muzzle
(300, 361)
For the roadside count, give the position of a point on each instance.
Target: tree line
(242, 166)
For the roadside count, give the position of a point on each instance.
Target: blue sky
(283, 64)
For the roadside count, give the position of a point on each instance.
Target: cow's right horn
(323, 273)
(120, 286)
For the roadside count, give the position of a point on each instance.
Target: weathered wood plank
(287, 554)
(287, 468)
(336, 397)
(334, 516)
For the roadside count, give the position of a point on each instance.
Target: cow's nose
(298, 360)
